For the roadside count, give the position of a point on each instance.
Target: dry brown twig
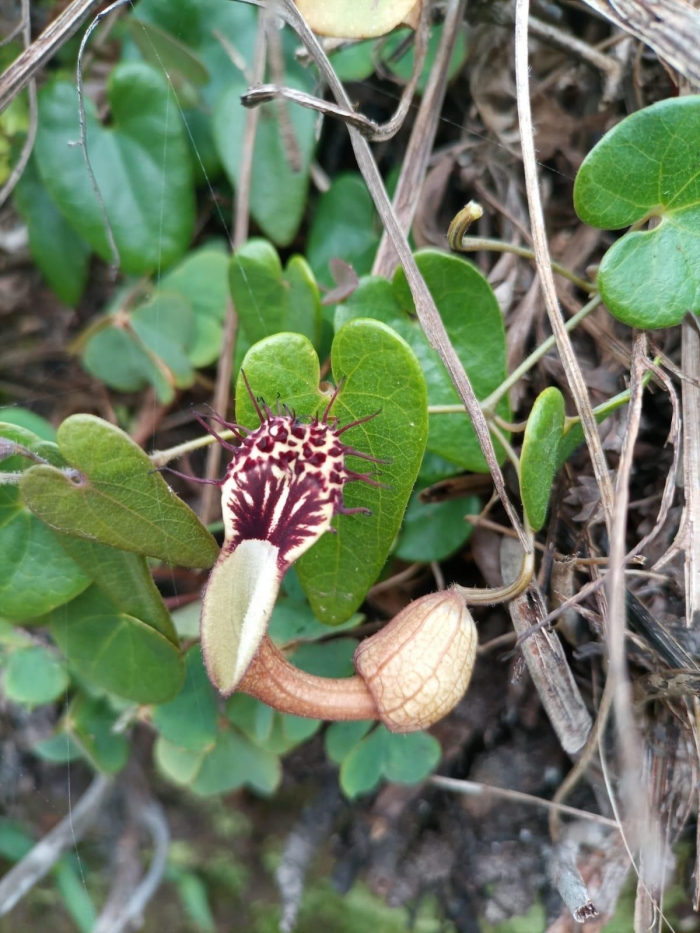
(39, 861)
(25, 155)
(572, 369)
(420, 144)
(56, 34)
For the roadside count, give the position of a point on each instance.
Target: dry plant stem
(546, 661)
(474, 244)
(268, 24)
(272, 679)
(476, 789)
(25, 155)
(568, 358)
(490, 403)
(671, 29)
(666, 502)
(690, 358)
(39, 861)
(420, 145)
(21, 71)
(426, 309)
(610, 67)
(210, 493)
(153, 819)
(568, 881)
(374, 131)
(629, 741)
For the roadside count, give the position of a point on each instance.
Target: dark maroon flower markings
(282, 488)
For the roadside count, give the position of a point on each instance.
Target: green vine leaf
(124, 578)
(117, 651)
(90, 725)
(646, 168)
(117, 499)
(405, 759)
(539, 460)
(36, 574)
(380, 374)
(344, 226)
(277, 192)
(62, 254)
(34, 676)
(474, 323)
(270, 300)
(190, 719)
(202, 279)
(141, 164)
(147, 345)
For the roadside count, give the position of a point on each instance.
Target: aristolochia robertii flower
(282, 488)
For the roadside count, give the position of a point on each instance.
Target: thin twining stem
(474, 244)
(476, 789)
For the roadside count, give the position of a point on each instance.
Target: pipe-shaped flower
(409, 675)
(282, 488)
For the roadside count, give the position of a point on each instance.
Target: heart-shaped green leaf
(90, 724)
(117, 651)
(210, 29)
(141, 164)
(231, 762)
(148, 345)
(190, 720)
(647, 168)
(406, 759)
(380, 374)
(473, 320)
(162, 50)
(277, 191)
(202, 278)
(117, 499)
(36, 574)
(34, 676)
(434, 530)
(269, 301)
(61, 254)
(125, 578)
(539, 460)
(343, 227)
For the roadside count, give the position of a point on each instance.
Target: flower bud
(419, 666)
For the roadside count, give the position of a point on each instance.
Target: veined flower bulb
(419, 666)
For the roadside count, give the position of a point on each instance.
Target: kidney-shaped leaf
(379, 373)
(116, 651)
(647, 168)
(539, 460)
(141, 164)
(116, 499)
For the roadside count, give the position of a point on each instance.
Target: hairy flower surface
(285, 483)
(282, 488)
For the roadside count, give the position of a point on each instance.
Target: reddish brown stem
(272, 679)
